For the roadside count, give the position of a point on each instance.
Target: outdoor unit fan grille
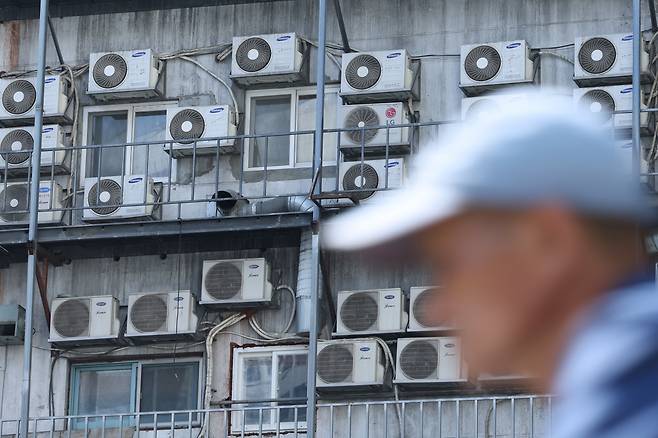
(359, 118)
(71, 318)
(419, 360)
(598, 102)
(253, 54)
(19, 97)
(335, 363)
(223, 281)
(422, 307)
(597, 55)
(110, 70)
(361, 177)
(14, 203)
(482, 63)
(359, 312)
(363, 72)
(187, 125)
(481, 108)
(14, 145)
(108, 199)
(149, 313)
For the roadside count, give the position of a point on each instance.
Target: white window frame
(237, 389)
(131, 109)
(295, 93)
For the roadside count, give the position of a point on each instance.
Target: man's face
(500, 276)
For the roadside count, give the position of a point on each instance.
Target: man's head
(526, 218)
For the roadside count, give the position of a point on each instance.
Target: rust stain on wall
(13, 37)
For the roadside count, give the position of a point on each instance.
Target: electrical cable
(556, 55)
(255, 325)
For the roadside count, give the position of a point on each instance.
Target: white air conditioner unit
(353, 363)
(161, 314)
(361, 124)
(93, 318)
(125, 74)
(376, 76)
(370, 311)
(239, 282)
(16, 146)
(421, 303)
(186, 126)
(105, 198)
(266, 59)
(14, 203)
(429, 360)
(480, 107)
(19, 97)
(607, 60)
(493, 64)
(601, 102)
(363, 181)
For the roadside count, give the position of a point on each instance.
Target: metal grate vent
(360, 311)
(482, 63)
(419, 360)
(19, 97)
(16, 146)
(110, 70)
(335, 363)
(253, 54)
(360, 179)
(597, 55)
(149, 313)
(71, 318)
(108, 199)
(223, 281)
(599, 103)
(14, 203)
(361, 118)
(363, 72)
(422, 308)
(187, 125)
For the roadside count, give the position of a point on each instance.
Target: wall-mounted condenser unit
(14, 203)
(85, 320)
(370, 312)
(187, 127)
(365, 180)
(370, 128)
(124, 74)
(351, 364)
(19, 95)
(112, 198)
(421, 310)
(429, 360)
(161, 315)
(602, 102)
(16, 145)
(236, 283)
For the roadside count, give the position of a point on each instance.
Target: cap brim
(392, 216)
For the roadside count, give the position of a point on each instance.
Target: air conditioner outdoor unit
(382, 76)
(14, 203)
(267, 59)
(19, 96)
(601, 102)
(105, 198)
(186, 126)
(429, 360)
(370, 311)
(363, 181)
(353, 363)
(92, 318)
(421, 302)
(16, 146)
(487, 65)
(361, 124)
(161, 314)
(607, 60)
(239, 282)
(125, 74)
(480, 107)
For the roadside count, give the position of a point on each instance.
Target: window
(129, 387)
(281, 111)
(117, 124)
(269, 376)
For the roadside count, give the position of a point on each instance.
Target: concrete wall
(421, 26)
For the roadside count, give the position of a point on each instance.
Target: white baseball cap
(535, 151)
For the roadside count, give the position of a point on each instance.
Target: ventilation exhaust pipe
(225, 203)
(230, 203)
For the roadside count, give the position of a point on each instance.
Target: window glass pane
(169, 387)
(306, 122)
(103, 391)
(105, 129)
(150, 128)
(291, 377)
(270, 115)
(257, 381)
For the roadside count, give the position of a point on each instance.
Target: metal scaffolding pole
(315, 243)
(637, 92)
(34, 221)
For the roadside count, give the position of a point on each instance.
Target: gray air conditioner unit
(126, 74)
(421, 304)
(188, 126)
(351, 364)
(19, 97)
(16, 149)
(161, 314)
(14, 203)
(236, 283)
(92, 319)
(269, 59)
(370, 312)
(429, 360)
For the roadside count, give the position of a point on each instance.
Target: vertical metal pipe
(637, 92)
(319, 102)
(34, 220)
